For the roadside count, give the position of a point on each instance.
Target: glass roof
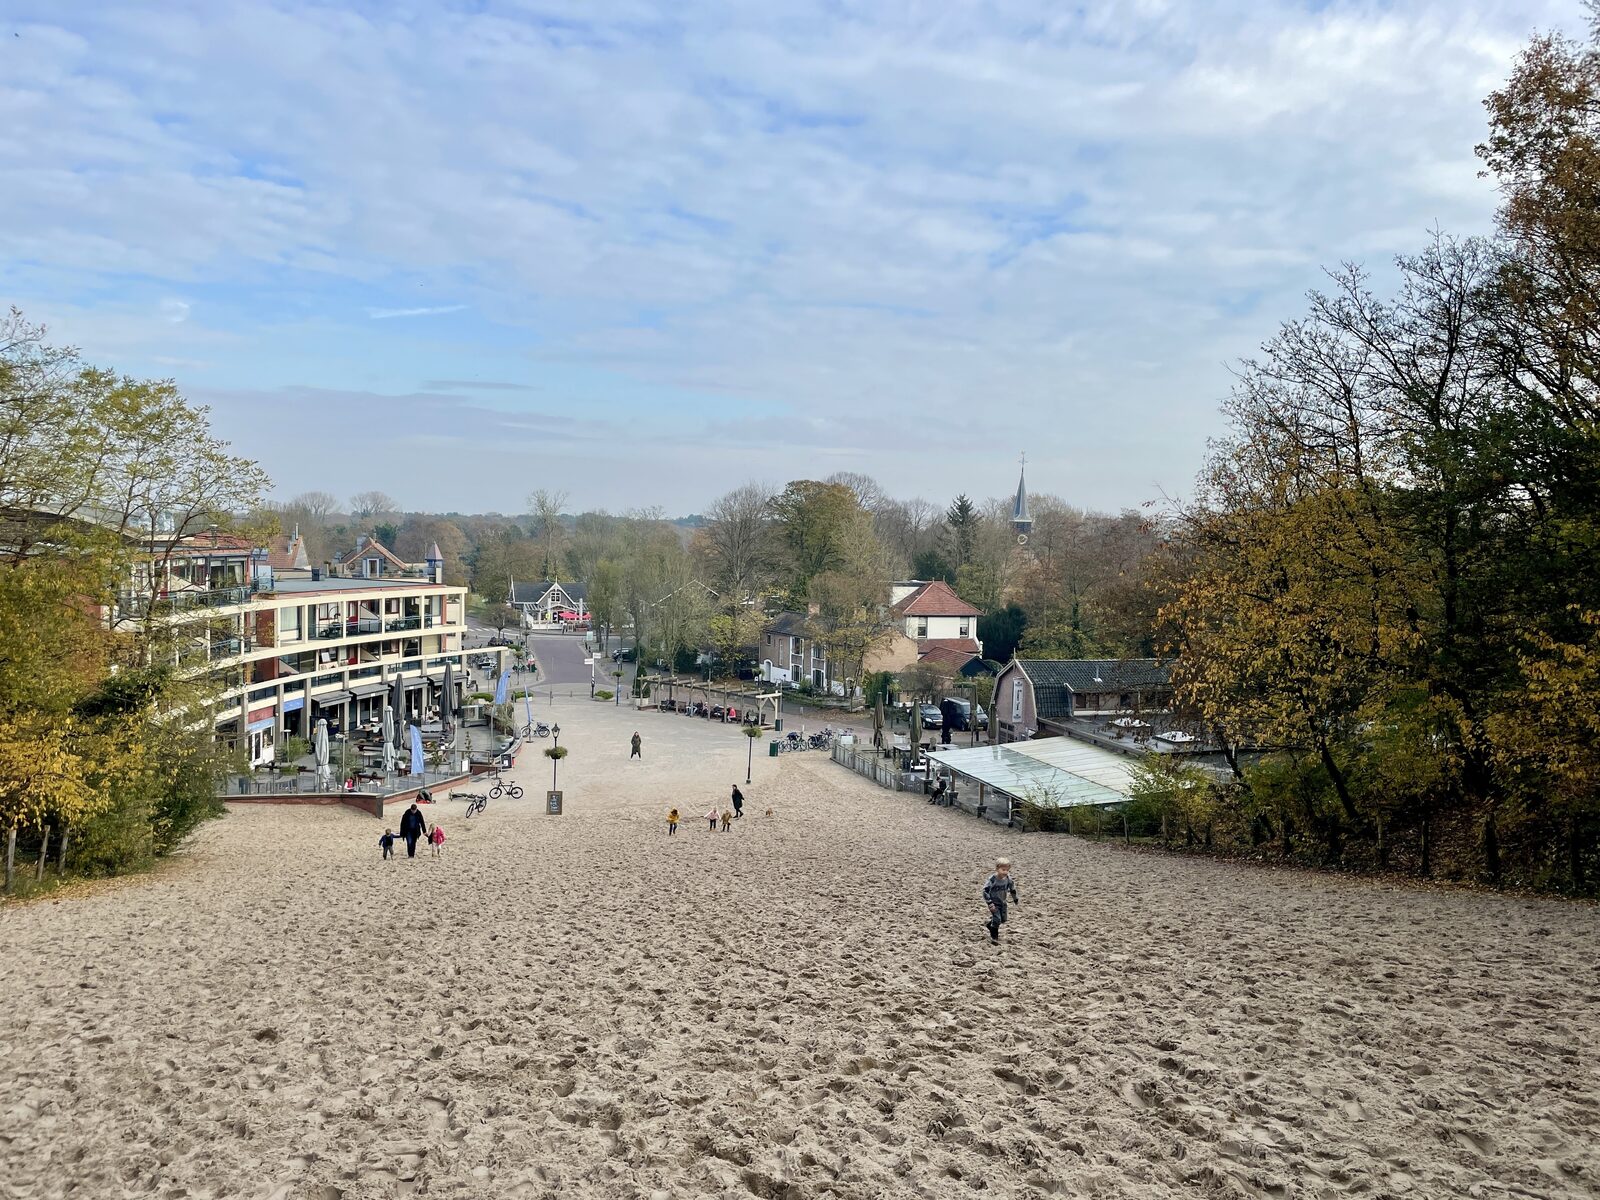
(1054, 772)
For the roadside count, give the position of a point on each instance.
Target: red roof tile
(936, 599)
(946, 656)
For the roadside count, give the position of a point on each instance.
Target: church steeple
(1021, 520)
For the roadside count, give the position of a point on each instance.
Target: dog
(769, 812)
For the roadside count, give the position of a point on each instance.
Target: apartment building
(276, 653)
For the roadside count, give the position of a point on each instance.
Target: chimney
(316, 574)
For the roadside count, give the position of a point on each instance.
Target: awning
(264, 723)
(1054, 772)
(331, 699)
(368, 689)
(294, 705)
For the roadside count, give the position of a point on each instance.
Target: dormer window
(966, 626)
(922, 627)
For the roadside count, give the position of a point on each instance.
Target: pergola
(715, 693)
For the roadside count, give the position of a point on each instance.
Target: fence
(882, 771)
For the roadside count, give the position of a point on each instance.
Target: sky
(642, 253)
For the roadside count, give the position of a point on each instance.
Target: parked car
(961, 713)
(932, 718)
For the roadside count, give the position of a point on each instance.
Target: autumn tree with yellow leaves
(98, 472)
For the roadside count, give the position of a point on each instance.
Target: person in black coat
(738, 801)
(413, 826)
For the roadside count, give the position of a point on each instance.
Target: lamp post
(751, 733)
(555, 754)
(617, 695)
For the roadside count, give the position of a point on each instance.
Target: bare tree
(869, 494)
(316, 505)
(739, 542)
(545, 507)
(372, 504)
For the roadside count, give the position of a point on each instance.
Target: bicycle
(507, 788)
(538, 730)
(476, 801)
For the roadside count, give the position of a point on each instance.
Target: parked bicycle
(506, 788)
(538, 729)
(476, 801)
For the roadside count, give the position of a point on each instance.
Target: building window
(922, 627)
(769, 639)
(966, 626)
(289, 624)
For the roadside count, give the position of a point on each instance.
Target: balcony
(397, 624)
(212, 598)
(347, 628)
(213, 651)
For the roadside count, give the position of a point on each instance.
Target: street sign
(552, 801)
(588, 662)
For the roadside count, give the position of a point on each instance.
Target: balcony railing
(218, 648)
(396, 624)
(348, 628)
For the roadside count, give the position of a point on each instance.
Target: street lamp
(555, 754)
(751, 733)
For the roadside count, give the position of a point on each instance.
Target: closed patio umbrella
(447, 704)
(319, 741)
(398, 699)
(388, 739)
(916, 733)
(877, 722)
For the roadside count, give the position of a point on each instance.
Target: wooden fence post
(11, 855)
(44, 855)
(61, 853)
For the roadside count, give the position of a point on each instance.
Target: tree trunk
(1575, 856)
(61, 853)
(1491, 850)
(1427, 843)
(44, 855)
(1341, 786)
(11, 856)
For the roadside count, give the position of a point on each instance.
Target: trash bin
(777, 726)
(772, 749)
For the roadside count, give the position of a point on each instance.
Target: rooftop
(289, 587)
(936, 599)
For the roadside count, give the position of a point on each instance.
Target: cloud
(175, 311)
(477, 385)
(769, 232)
(386, 314)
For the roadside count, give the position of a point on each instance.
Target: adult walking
(636, 743)
(738, 802)
(413, 826)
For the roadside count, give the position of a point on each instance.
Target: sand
(806, 1006)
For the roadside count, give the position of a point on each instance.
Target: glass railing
(325, 680)
(398, 623)
(366, 672)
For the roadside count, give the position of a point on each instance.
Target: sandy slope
(807, 1006)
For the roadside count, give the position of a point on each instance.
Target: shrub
(602, 694)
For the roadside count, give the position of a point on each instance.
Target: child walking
(711, 819)
(727, 819)
(436, 839)
(387, 842)
(996, 889)
(672, 822)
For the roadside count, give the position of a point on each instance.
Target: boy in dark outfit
(996, 889)
(387, 842)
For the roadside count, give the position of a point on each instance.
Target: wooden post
(61, 853)
(44, 855)
(11, 855)
(1124, 826)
